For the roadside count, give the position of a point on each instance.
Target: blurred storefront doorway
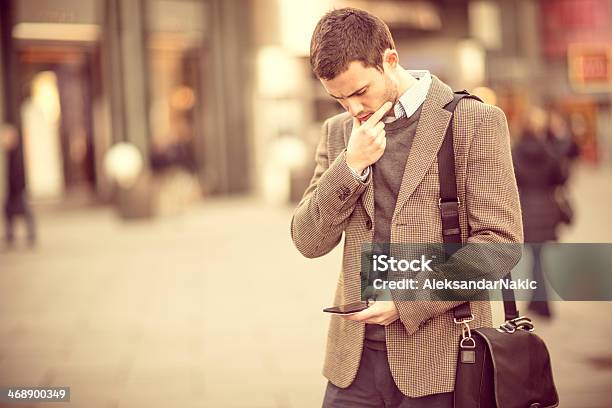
(56, 117)
(176, 42)
(52, 77)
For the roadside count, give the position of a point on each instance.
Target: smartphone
(349, 309)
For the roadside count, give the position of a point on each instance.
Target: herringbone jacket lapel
(427, 140)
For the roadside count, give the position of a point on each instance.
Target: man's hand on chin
(381, 312)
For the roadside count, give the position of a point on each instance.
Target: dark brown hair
(346, 35)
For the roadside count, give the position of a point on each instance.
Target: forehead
(355, 77)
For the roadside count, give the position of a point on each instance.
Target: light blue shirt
(414, 97)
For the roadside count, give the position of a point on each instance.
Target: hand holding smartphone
(348, 309)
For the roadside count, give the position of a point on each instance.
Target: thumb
(356, 123)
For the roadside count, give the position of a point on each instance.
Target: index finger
(378, 115)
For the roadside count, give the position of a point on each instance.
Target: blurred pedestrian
(562, 139)
(560, 136)
(16, 203)
(539, 170)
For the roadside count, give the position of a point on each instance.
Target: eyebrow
(356, 92)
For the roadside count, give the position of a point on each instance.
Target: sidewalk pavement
(215, 308)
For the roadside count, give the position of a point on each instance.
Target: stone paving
(215, 308)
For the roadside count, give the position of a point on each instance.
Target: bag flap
(522, 370)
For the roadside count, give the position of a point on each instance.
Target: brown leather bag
(507, 367)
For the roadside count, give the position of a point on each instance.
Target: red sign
(569, 21)
(590, 66)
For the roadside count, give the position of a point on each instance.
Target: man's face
(362, 90)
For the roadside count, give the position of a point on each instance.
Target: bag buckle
(467, 341)
(463, 320)
(440, 202)
(522, 323)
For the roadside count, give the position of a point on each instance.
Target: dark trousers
(14, 208)
(374, 387)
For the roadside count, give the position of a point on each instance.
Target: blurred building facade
(165, 76)
(222, 89)
(557, 54)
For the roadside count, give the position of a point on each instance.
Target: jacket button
(368, 224)
(343, 193)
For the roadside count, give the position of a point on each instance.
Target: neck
(406, 81)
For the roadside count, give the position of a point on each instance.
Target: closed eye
(358, 93)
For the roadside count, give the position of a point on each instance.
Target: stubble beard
(391, 94)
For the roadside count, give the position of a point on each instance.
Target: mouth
(364, 118)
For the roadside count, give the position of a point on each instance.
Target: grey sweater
(387, 174)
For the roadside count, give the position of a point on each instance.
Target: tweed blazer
(422, 344)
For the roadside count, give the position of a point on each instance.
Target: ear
(390, 58)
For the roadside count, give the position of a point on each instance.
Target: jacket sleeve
(493, 214)
(329, 200)
(492, 199)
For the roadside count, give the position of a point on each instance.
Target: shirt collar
(413, 98)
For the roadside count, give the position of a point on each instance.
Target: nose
(354, 107)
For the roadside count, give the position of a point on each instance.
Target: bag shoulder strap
(449, 204)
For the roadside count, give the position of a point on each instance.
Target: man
(376, 180)
(16, 203)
